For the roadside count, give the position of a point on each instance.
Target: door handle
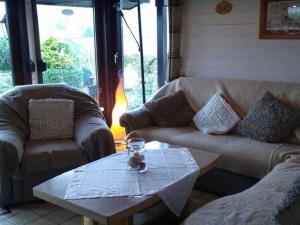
(41, 65)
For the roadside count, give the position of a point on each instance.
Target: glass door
(132, 67)
(6, 80)
(67, 44)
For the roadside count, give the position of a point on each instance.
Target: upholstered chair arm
(13, 133)
(12, 142)
(93, 135)
(136, 119)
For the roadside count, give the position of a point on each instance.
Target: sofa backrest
(240, 94)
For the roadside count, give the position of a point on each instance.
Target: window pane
(6, 81)
(132, 71)
(67, 45)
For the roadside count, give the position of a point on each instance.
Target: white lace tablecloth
(171, 174)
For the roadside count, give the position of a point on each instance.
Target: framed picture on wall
(280, 19)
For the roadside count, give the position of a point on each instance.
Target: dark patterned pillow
(288, 210)
(171, 111)
(269, 120)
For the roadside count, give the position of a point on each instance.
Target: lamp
(121, 106)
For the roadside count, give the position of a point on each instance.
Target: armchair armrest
(136, 119)
(93, 135)
(12, 142)
(13, 133)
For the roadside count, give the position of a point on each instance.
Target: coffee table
(111, 211)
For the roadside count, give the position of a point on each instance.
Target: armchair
(25, 163)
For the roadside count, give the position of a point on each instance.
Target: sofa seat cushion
(238, 154)
(256, 205)
(51, 154)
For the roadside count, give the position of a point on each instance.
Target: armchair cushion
(46, 155)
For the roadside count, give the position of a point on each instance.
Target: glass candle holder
(136, 156)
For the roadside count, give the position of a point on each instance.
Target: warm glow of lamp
(121, 106)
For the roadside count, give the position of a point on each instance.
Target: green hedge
(6, 81)
(72, 77)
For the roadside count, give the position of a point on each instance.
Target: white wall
(228, 46)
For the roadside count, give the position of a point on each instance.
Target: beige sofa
(271, 201)
(239, 155)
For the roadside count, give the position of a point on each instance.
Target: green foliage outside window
(134, 95)
(62, 63)
(6, 81)
(58, 55)
(4, 54)
(70, 76)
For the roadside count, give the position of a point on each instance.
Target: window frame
(18, 40)
(162, 36)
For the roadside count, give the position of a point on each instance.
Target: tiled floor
(42, 213)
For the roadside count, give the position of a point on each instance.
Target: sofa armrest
(12, 141)
(136, 119)
(93, 135)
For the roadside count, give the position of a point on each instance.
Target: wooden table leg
(88, 221)
(128, 221)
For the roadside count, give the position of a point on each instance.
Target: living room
(149, 112)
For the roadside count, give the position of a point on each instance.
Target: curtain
(174, 59)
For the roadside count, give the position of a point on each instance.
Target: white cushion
(216, 117)
(51, 118)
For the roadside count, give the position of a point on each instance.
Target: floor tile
(60, 215)
(42, 208)
(13, 211)
(43, 213)
(22, 218)
(41, 221)
(76, 220)
(6, 222)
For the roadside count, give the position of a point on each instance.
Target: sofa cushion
(238, 154)
(269, 120)
(51, 118)
(51, 154)
(257, 205)
(288, 210)
(171, 111)
(216, 117)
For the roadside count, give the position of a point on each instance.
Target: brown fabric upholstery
(91, 132)
(51, 154)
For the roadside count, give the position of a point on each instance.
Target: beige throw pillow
(216, 117)
(51, 118)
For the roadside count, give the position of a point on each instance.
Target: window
(67, 44)
(6, 80)
(132, 71)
